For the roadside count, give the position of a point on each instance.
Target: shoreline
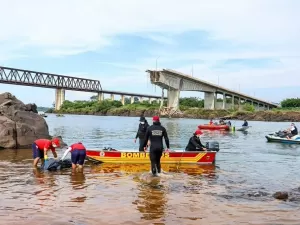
(268, 116)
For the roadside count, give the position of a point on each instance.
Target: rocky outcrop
(20, 124)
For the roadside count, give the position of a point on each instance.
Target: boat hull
(242, 128)
(293, 140)
(213, 127)
(199, 157)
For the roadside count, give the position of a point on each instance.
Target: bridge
(175, 82)
(61, 83)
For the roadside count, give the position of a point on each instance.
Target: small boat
(243, 128)
(132, 157)
(281, 137)
(42, 114)
(59, 115)
(214, 127)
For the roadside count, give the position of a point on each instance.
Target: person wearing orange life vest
(40, 148)
(78, 155)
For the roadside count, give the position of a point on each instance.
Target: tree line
(290, 103)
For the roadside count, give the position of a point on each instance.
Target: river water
(236, 190)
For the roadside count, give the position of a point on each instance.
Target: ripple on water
(237, 190)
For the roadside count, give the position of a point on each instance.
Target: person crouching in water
(195, 143)
(155, 133)
(141, 132)
(40, 147)
(78, 155)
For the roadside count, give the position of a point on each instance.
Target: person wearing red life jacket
(78, 154)
(40, 148)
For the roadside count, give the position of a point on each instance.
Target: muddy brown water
(236, 190)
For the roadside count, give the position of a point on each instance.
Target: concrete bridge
(62, 83)
(175, 82)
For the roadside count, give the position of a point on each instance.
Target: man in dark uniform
(155, 133)
(141, 132)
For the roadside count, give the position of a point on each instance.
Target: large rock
(19, 123)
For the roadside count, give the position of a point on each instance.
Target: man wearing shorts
(78, 154)
(40, 148)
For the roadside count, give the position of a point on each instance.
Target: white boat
(281, 137)
(243, 128)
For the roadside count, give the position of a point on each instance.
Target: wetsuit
(155, 133)
(194, 144)
(141, 134)
(245, 124)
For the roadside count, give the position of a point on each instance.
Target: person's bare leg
(36, 161)
(80, 168)
(73, 167)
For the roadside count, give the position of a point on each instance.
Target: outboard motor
(54, 164)
(212, 146)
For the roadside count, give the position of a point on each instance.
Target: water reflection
(152, 199)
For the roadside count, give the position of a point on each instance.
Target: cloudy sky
(251, 45)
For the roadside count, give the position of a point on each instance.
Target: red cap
(197, 132)
(155, 118)
(56, 141)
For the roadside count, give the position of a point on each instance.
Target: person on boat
(40, 148)
(141, 132)
(78, 155)
(221, 122)
(211, 122)
(229, 123)
(156, 133)
(293, 130)
(245, 124)
(195, 143)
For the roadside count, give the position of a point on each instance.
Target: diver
(155, 133)
(195, 143)
(78, 155)
(40, 148)
(141, 132)
(245, 124)
(292, 131)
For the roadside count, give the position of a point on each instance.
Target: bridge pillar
(59, 98)
(100, 96)
(232, 101)
(112, 97)
(123, 99)
(150, 100)
(224, 101)
(131, 99)
(141, 99)
(173, 99)
(209, 100)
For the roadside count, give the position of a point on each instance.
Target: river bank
(198, 113)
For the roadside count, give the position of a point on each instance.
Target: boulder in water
(20, 124)
(281, 195)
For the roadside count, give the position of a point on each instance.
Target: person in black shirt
(245, 124)
(195, 143)
(155, 133)
(141, 132)
(292, 131)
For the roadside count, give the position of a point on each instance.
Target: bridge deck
(219, 89)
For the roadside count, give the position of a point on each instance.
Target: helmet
(56, 141)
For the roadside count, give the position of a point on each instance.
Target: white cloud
(61, 28)
(76, 24)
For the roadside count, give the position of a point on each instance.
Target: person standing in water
(155, 133)
(141, 133)
(78, 155)
(40, 148)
